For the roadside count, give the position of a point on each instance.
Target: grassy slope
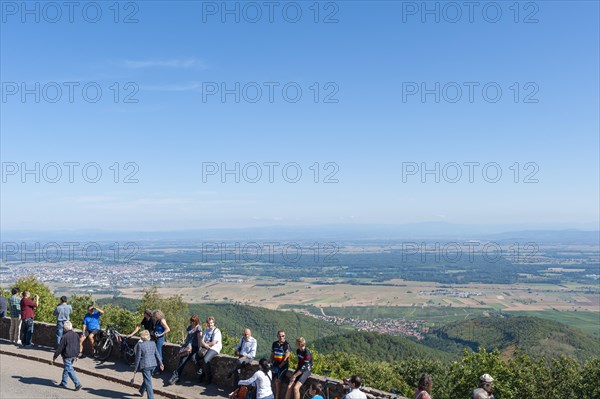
(586, 321)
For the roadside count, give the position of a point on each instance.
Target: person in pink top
(424, 389)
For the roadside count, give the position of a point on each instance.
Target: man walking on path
(15, 316)
(68, 348)
(27, 315)
(62, 313)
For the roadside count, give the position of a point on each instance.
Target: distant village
(403, 327)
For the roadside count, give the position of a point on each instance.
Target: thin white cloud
(192, 86)
(173, 63)
(156, 203)
(89, 199)
(274, 218)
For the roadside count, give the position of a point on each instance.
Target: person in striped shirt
(15, 315)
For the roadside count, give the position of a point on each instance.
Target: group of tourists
(203, 346)
(200, 346)
(22, 314)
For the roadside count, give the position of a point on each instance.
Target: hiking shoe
(78, 387)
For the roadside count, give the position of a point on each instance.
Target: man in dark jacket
(68, 348)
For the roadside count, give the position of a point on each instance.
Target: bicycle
(110, 338)
(325, 390)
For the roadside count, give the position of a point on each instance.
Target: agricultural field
(433, 302)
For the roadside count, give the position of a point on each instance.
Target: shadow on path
(36, 381)
(108, 393)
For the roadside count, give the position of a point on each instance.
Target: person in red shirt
(27, 316)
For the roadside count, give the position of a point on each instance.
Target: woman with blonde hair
(161, 328)
(147, 358)
(303, 369)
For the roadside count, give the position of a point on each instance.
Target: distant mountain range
(584, 234)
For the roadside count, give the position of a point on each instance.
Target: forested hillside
(535, 336)
(265, 323)
(379, 347)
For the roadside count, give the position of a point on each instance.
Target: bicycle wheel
(104, 347)
(129, 354)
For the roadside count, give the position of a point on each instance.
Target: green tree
(464, 375)
(590, 375)
(229, 343)
(175, 309)
(80, 304)
(47, 300)
(123, 319)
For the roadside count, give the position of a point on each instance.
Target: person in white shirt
(355, 382)
(262, 379)
(212, 343)
(486, 387)
(245, 350)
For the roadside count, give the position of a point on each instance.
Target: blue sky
(176, 51)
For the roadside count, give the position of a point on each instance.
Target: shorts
(280, 373)
(303, 377)
(94, 332)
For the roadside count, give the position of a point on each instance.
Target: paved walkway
(113, 383)
(24, 378)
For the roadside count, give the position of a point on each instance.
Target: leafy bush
(47, 300)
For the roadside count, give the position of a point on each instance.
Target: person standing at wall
(62, 313)
(2, 306)
(15, 315)
(27, 316)
(161, 329)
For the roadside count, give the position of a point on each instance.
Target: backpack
(243, 392)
